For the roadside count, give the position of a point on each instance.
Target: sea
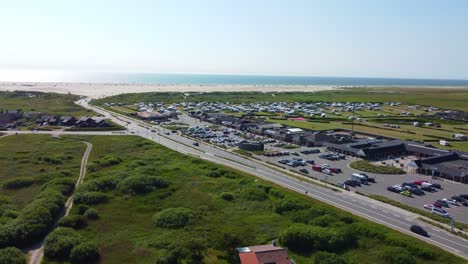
(210, 79)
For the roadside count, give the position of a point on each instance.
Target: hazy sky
(362, 38)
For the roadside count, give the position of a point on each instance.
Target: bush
(108, 160)
(306, 238)
(102, 184)
(254, 194)
(11, 255)
(173, 217)
(227, 196)
(84, 253)
(60, 243)
(73, 221)
(366, 166)
(394, 255)
(141, 184)
(288, 204)
(328, 258)
(19, 182)
(90, 198)
(92, 214)
(214, 174)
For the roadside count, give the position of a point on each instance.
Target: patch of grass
(216, 225)
(366, 166)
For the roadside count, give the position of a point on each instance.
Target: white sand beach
(98, 90)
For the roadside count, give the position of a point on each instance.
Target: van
(360, 178)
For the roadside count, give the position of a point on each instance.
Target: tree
(92, 214)
(85, 253)
(173, 217)
(397, 255)
(74, 221)
(11, 255)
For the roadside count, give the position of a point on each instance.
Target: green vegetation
(366, 166)
(48, 103)
(459, 225)
(191, 218)
(12, 255)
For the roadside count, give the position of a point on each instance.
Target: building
(263, 254)
(250, 145)
(451, 166)
(92, 122)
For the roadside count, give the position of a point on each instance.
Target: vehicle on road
(418, 230)
(450, 201)
(152, 130)
(406, 193)
(196, 144)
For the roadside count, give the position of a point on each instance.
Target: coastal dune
(98, 90)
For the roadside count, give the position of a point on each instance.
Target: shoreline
(98, 90)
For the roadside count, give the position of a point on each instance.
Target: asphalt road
(370, 209)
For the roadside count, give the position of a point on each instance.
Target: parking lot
(459, 213)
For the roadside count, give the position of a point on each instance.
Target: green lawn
(228, 209)
(47, 103)
(40, 157)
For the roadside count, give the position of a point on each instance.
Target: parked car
(443, 203)
(303, 170)
(440, 212)
(350, 183)
(356, 182)
(437, 204)
(436, 185)
(464, 196)
(419, 182)
(335, 170)
(428, 189)
(393, 189)
(460, 200)
(317, 168)
(418, 230)
(410, 184)
(429, 206)
(310, 162)
(327, 171)
(416, 191)
(450, 201)
(284, 161)
(406, 193)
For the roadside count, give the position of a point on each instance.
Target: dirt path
(36, 255)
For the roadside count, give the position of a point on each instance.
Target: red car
(437, 204)
(317, 168)
(335, 170)
(419, 182)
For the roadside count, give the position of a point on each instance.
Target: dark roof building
(452, 166)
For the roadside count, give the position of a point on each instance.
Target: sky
(353, 38)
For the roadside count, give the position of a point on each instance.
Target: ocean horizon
(217, 79)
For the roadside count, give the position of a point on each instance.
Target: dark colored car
(310, 162)
(196, 144)
(416, 191)
(418, 230)
(436, 185)
(443, 203)
(304, 171)
(460, 200)
(464, 196)
(410, 184)
(358, 183)
(335, 170)
(295, 153)
(350, 183)
(428, 189)
(392, 189)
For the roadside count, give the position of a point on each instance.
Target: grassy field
(40, 158)
(213, 207)
(48, 103)
(455, 98)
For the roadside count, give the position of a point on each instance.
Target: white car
(325, 166)
(450, 201)
(327, 171)
(429, 206)
(398, 187)
(440, 212)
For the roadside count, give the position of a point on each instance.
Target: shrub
(84, 253)
(254, 194)
(394, 255)
(173, 217)
(73, 221)
(11, 255)
(90, 198)
(328, 258)
(108, 160)
(288, 204)
(53, 160)
(306, 238)
(141, 184)
(19, 182)
(214, 174)
(92, 214)
(102, 184)
(227, 196)
(60, 243)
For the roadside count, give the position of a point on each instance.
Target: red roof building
(263, 254)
